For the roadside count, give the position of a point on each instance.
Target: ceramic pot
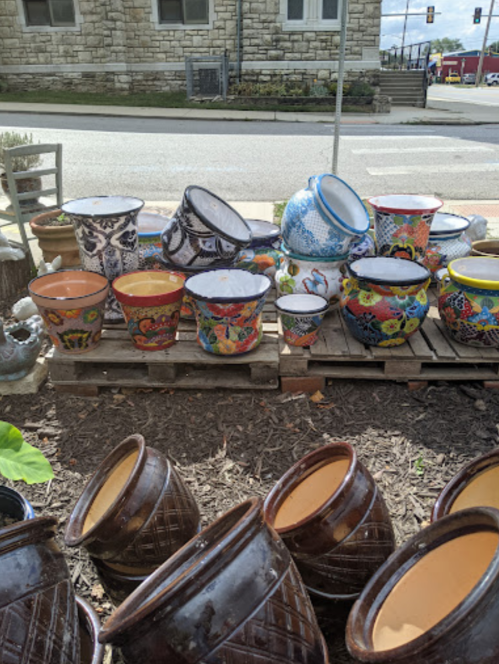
(469, 301)
(151, 304)
(324, 219)
(106, 232)
(72, 304)
(23, 186)
(364, 247)
(402, 224)
(485, 248)
(119, 581)
(475, 485)
(312, 276)
(332, 517)
(135, 510)
(187, 308)
(232, 594)
(20, 346)
(37, 608)
(384, 301)
(204, 231)
(301, 318)
(263, 256)
(150, 226)
(228, 308)
(57, 240)
(91, 651)
(436, 599)
(447, 242)
(14, 505)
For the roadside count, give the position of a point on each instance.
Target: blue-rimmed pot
(447, 241)
(205, 231)
(264, 253)
(310, 275)
(150, 227)
(301, 318)
(324, 219)
(228, 304)
(14, 506)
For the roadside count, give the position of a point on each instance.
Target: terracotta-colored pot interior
(311, 493)
(485, 248)
(68, 284)
(143, 284)
(482, 491)
(432, 588)
(110, 490)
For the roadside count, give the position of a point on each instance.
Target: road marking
(442, 169)
(396, 137)
(462, 101)
(435, 148)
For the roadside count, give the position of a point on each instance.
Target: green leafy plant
(419, 466)
(19, 460)
(11, 139)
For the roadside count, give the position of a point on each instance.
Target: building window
(310, 14)
(55, 13)
(187, 12)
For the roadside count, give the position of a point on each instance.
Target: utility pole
(339, 89)
(480, 63)
(405, 28)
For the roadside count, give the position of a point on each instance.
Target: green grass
(279, 211)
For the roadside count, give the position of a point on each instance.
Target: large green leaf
(19, 460)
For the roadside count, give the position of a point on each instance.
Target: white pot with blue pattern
(324, 219)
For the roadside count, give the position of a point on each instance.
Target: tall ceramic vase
(106, 232)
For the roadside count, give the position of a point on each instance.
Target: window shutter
(195, 11)
(170, 11)
(295, 10)
(62, 12)
(329, 9)
(37, 12)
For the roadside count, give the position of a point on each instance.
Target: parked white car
(492, 79)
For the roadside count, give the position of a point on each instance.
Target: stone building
(141, 45)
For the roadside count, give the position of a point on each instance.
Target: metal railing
(413, 57)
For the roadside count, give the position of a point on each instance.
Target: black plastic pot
(13, 504)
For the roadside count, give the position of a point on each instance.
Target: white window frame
(312, 17)
(49, 28)
(155, 18)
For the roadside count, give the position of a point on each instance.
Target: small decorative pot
(23, 186)
(312, 276)
(20, 346)
(469, 301)
(56, 240)
(38, 608)
(14, 505)
(106, 232)
(91, 651)
(205, 231)
(301, 317)
(263, 255)
(150, 227)
(72, 304)
(485, 248)
(228, 307)
(364, 247)
(119, 581)
(402, 224)
(151, 304)
(384, 302)
(447, 242)
(232, 594)
(333, 519)
(135, 510)
(436, 599)
(324, 219)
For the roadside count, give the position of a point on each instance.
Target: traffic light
(430, 14)
(478, 15)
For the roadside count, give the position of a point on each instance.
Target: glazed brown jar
(231, 594)
(436, 600)
(38, 614)
(476, 485)
(135, 510)
(332, 517)
(92, 652)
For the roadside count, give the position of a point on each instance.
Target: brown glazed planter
(135, 509)
(91, 651)
(476, 485)
(56, 240)
(436, 600)
(119, 581)
(38, 615)
(332, 517)
(232, 594)
(485, 248)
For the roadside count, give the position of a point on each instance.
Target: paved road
(157, 159)
(487, 96)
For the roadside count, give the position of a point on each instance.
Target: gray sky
(456, 21)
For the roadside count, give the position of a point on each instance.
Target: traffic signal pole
(482, 54)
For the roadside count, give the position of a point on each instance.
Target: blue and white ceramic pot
(106, 232)
(324, 219)
(448, 241)
(301, 318)
(150, 227)
(313, 276)
(264, 253)
(364, 247)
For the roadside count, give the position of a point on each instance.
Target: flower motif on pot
(361, 248)
(301, 331)
(77, 333)
(70, 313)
(152, 328)
(442, 251)
(229, 329)
(262, 261)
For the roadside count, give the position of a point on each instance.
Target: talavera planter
(436, 600)
(38, 614)
(333, 519)
(232, 594)
(135, 510)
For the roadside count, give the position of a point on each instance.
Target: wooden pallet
(117, 363)
(428, 355)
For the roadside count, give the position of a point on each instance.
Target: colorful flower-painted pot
(324, 219)
(205, 231)
(364, 247)
(150, 227)
(315, 276)
(384, 302)
(228, 307)
(72, 305)
(469, 301)
(263, 255)
(402, 224)
(301, 317)
(106, 232)
(447, 242)
(151, 302)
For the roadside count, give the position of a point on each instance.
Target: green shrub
(11, 139)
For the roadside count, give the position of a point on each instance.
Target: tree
(494, 47)
(446, 45)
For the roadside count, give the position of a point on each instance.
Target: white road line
(396, 137)
(477, 148)
(442, 169)
(462, 101)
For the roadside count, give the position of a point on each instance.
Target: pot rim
(377, 590)
(151, 234)
(138, 206)
(229, 299)
(148, 300)
(93, 627)
(313, 259)
(137, 606)
(105, 287)
(465, 224)
(383, 281)
(304, 312)
(405, 211)
(23, 533)
(49, 215)
(27, 507)
(340, 222)
(464, 280)
(192, 269)
(273, 231)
